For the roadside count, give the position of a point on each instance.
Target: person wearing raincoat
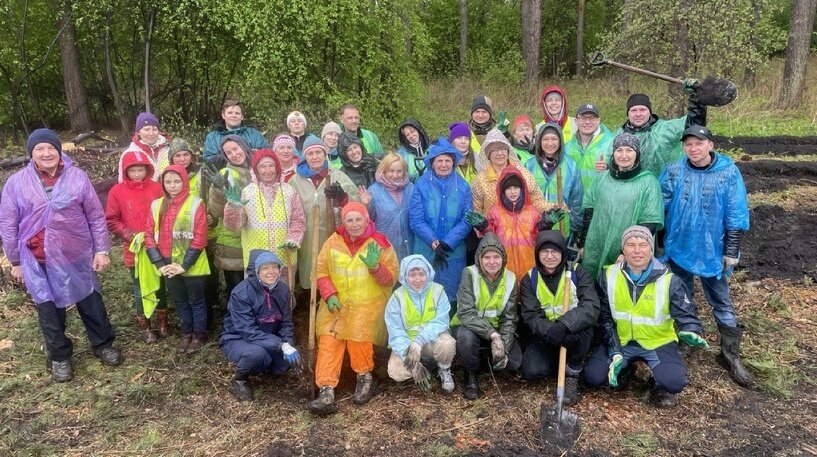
(486, 315)
(622, 196)
(522, 135)
(497, 153)
(481, 122)
(126, 213)
(660, 139)
(258, 335)
(54, 236)
(437, 215)
(417, 316)
(390, 197)
(549, 165)
(284, 148)
(357, 268)
(318, 184)
(330, 135)
(268, 213)
(413, 142)
(707, 214)
(592, 144)
(358, 164)
(151, 141)
(460, 138)
(554, 109)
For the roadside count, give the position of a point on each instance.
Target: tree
(794, 73)
(463, 33)
(580, 41)
(79, 111)
(531, 15)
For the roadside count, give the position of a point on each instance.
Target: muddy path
(774, 145)
(768, 175)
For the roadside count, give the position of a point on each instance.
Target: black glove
(582, 236)
(571, 341)
(526, 144)
(733, 238)
(336, 192)
(211, 174)
(441, 256)
(556, 334)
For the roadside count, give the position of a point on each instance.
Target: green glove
(693, 339)
(333, 304)
(372, 257)
(233, 195)
(211, 174)
(289, 245)
(474, 218)
(502, 123)
(555, 215)
(690, 85)
(615, 368)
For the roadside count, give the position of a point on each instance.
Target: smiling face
(481, 116)
(625, 157)
(269, 273)
(315, 157)
(638, 115)
(550, 144)
(286, 154)
(637, 252)
(442, 165)
(350, 119)
(553, 103)
(491, 262)
(588, 123)
(149, 134)
(234, 153)
(172, 183)
(499, 156)
(462, 143)
(233, 116)
(355, 224)
(267, 173)
(396, 171)
(46, 156)
(183, 158)
(551, 259)
(411, 134)
(355, 153)
(417, 278)
(698, 150)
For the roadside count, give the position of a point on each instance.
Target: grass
(639, 444)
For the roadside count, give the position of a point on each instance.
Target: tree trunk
(147, 59)
(679, 67)
(463, 33)
(79, 113)
(794, 73)
(531, 11)
(117, 98)
(580, 41)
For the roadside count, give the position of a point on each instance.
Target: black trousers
(469, 346)
(541, 360)
(94, 316)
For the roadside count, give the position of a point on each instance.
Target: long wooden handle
(313, 279)
(559, 195)
(560, 383)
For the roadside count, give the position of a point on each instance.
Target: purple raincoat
(75, 230)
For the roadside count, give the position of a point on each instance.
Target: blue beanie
(43, 136)
(312, 142)
(144, 119)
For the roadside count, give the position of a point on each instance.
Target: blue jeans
(161, 295)
(716, 292)
(251, 358)
(188, 294)
(665, 362)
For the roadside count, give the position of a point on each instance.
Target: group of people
(468, 246)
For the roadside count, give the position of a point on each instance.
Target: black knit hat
(512, 180)
(482, 101)
(639, 100)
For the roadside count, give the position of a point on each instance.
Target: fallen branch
(462, 426)
(9, 163)
(92, 134)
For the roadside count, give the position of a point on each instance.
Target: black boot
(62, 370)
(470, 384)
(730, 351)
(572, 394)
(240, 387)
(325, 403)
(109, 356)
(661, 398)
(365, 388)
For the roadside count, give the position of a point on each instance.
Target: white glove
(413, 355)
(729, 262)
(497, 347)
(287, 349)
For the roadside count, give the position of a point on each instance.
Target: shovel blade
(560, 430)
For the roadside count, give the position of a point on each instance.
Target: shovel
(313, 298)
(711, 91)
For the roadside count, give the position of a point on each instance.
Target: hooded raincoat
(414, 155)
(435, 319)
(585, 157)
(701, 205)
(75, 230)
(157, 153)
(361, 174)
(437, 212)
(389, 209)
(566, 122)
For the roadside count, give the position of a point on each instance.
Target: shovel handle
(560, 382)
(598, 59)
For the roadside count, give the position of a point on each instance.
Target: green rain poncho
(618, 204)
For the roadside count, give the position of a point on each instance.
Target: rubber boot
(161, 322)
(730, 351)
(470, 385)
(240, 387)
(196, 343)
(184, 342)
(572, 393)
(325, 403)
(145, 331)
(365, 389)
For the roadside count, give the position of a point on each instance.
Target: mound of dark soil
(775, 145)
(776, 175)
(780, 244)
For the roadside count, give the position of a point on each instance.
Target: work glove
(476, 220)
(413, 356)
(500, 364)
(615, 368)
(556, 334)
(554, 215)
(571, 341)
(573, 253)
(291, 245)
(729, 262)
(525, 143)
(441, 256)
(292, 356)
(335, 192)
(372, 258)
(233, 195)
(502, 122)
(497, 347)
(690, 85)
(210, 173)
(421, 377)
(333, 304)
(693, 339)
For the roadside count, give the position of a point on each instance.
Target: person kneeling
(542, 291)
(486, 314)
(258, 332)
(417, 321)
(644, 330)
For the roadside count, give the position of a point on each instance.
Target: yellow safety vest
(552, 304)
(647, 321)
(270, 231)
(182, 234)
(412, 319)
(228, 237)
(489, 306)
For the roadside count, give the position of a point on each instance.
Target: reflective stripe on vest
(552, 305)
(489, 306)
(413, 321)
(182, 236)
(648, 321)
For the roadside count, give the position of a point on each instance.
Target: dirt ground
(161, 403)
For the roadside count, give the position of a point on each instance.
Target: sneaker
(241, 390)
(62, 370)
(109, 356)
(446, 380)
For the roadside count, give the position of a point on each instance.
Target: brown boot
(184, 343)
(145, 331)
(161, 321)
(195, 344)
